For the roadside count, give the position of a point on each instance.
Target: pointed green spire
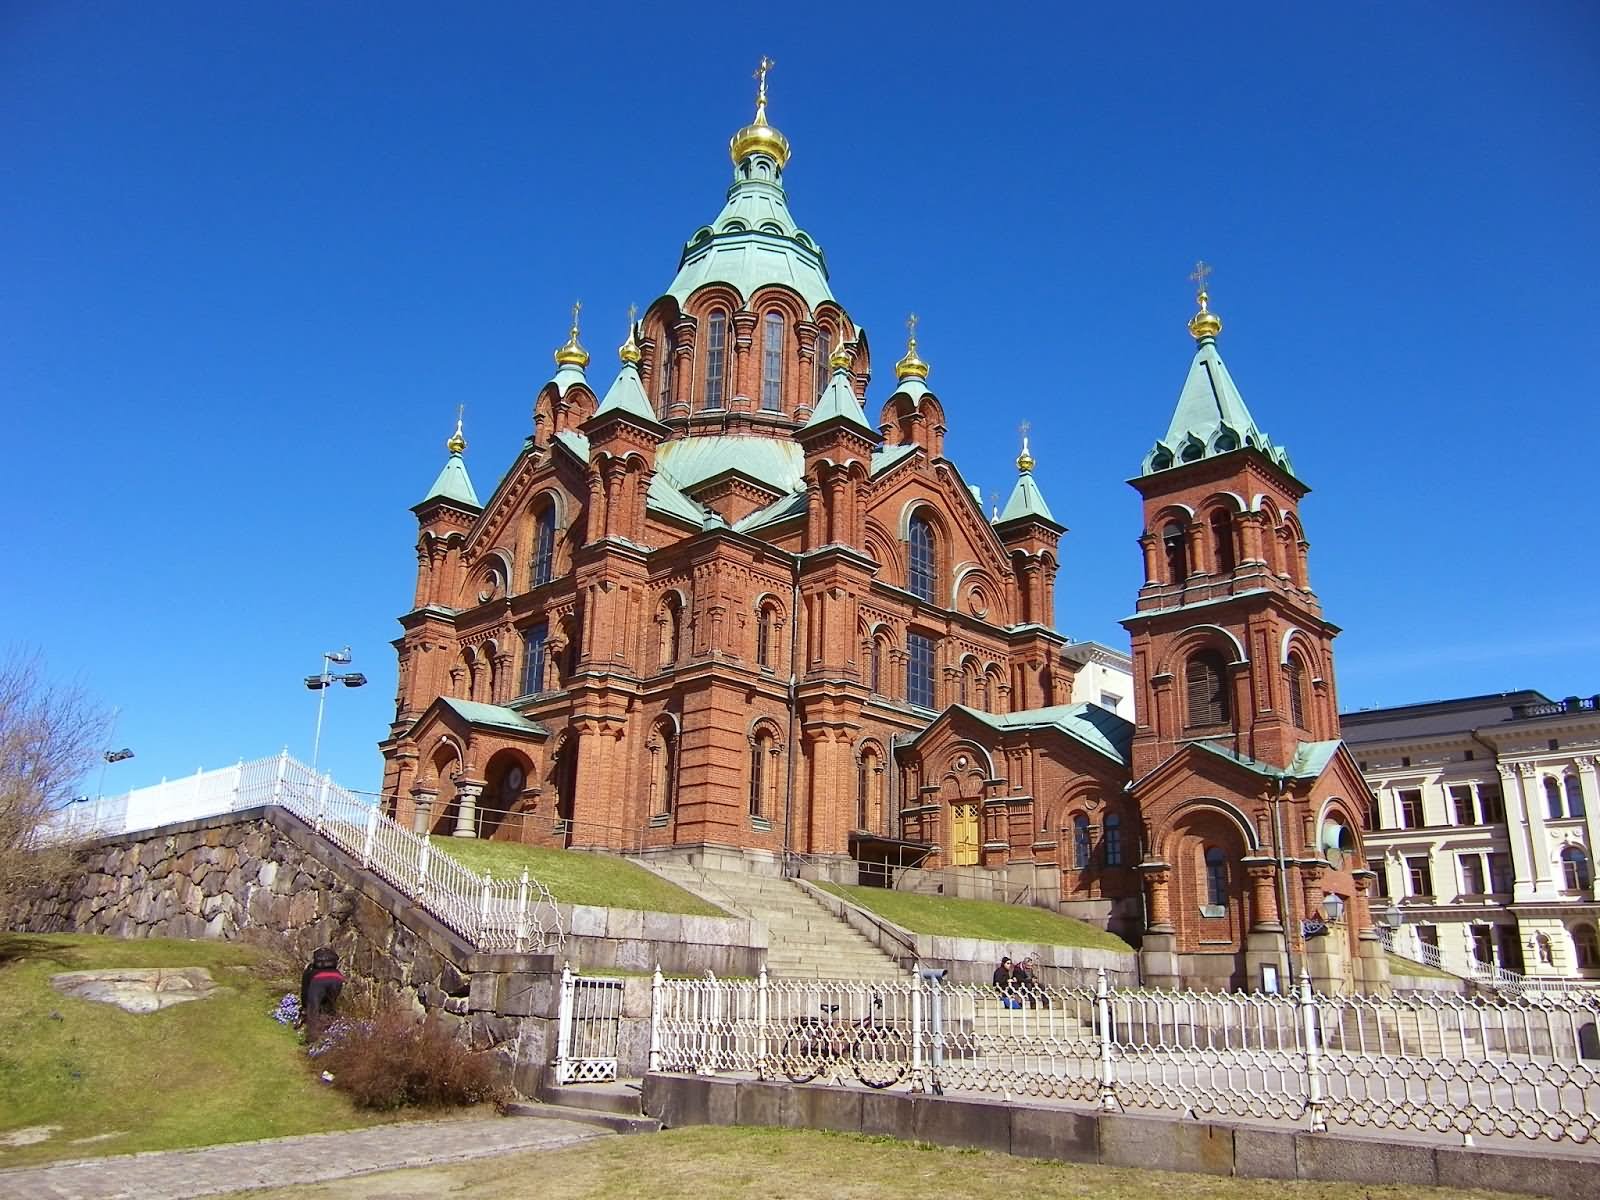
(1026, 498)
(838, 400)
(626, 393)
(453, 483)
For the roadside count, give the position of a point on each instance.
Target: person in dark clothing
(1025, 983)
(320, 985)
(1004, 980)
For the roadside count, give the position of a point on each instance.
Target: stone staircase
(804, 940)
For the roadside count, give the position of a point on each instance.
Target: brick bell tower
(1251, 806)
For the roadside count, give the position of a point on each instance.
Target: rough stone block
(1165, 1145)
(1059, 1135)
(978, 1124)
(1516, 1171)
(681, 1100)
(833, 1108)
(624, 923)
(663, 927)
(586, 921)
(529, 995)
(766, 1104)
(482, 993)
(1328, 1156)
(1264, 1153)
(889, 1114)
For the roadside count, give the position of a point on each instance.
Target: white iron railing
(1488, 974)
(495, 915)
(589, 1027)
(1526, 1067)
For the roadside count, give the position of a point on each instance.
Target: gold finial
(841, 357)
(1205, 323)
(457, 442)
(758, 136)
(1025, 459)
(629, 351)
(573, 354)
(911, 366)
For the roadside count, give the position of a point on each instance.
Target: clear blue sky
(255, 256)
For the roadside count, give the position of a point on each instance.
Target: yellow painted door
(963, 834)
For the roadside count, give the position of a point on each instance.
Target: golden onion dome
(1205, 323)
(1025, 459)
(572, 354)
(841, 358)
(911, 366)
(758, 137)
(457, 442)
(629, 351)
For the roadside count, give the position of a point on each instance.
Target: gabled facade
(721, 605)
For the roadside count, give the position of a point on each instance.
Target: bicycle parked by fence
(816, 1045)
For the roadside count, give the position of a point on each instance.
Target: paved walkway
(282, 1162)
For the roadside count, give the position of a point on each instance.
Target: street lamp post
(320, 684)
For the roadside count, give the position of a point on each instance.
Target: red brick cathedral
(714, 609)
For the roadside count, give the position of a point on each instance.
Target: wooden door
(964, 834)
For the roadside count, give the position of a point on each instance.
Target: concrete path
(282, 1162)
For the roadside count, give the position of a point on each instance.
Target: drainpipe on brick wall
(1287, 917)
(794, 677)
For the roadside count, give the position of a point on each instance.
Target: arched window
(1575, 869)
(533, 647)
(665, 784)
(1111, 840)
(875, 666)
(664, 371)
(1205, 679)
(1222, 541)
(986, 692)
(716, 357)
(760, 752)
(1574, 796)
(544, 544)
(919, 670)
(671, 630)
(764, 632)
(1080, 842)
(1296, 678)
(1216, 877)
(867, 775)
(1586, 947)
(822, 370)
(1172, 541)
(1552, 797)
(922, 580)
(772, 362)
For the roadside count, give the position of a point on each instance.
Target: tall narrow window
(1297, 692)
(1575, 869)
(716, 357)
(1080, 842)
(664, 370)
(1491, 803)
(1552, 797)
(764, 637)
(772, 362)
(922, 578)
(671, 630)
(1206, 682)
(1216, 877)
(1419, 874)
(1410, 808)
(823, 370)
(1461, 805)
(760, 752)
(1177, 554)
(861, 793)
(1586, 947)
(1380, 885)
(533, 644)
(1222, 541)
(666, 770)
(544, 545)
(1472, 875)
(875, 667)
(1574, 796)
(1499, 872)
(919, 670)
(1111, 840)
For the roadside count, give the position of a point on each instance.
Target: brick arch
(1192, 834)
(1191, 810)
(884, 550)
(1201, 637)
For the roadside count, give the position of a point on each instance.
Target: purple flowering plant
(288, 1010)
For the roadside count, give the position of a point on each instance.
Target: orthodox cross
(761, 78)
(911, 329)
(633, 312)
(1024, 428)
(577, 307)
(1202, 272)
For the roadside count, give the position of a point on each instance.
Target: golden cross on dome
(1202, 272)
(633, 312)
(577, 307)
(911, 328)
(761, 79)
(1024, 428)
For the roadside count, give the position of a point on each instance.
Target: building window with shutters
(716, 357)
(919, 670)
(1206, 684)
(772, 362)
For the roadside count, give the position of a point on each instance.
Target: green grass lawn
(724, 1164)
(1016, 924)
(214, 1070)
(576, 877)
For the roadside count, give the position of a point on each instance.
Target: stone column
(1151, 545)
(1538, 836)
(1265, 944)
(1263, 895)
(1158, 875)
(1158, 954)
(467, 793)
(1591, 801)
(422, 799)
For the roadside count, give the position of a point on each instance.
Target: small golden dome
(841, 358)
(758, 137)
(629, 351)
(1205, 323)
(1025, 459)
(457, 441)
(911, 366)
(573, 354)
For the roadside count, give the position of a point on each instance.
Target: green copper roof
(777, 462)
(886, 456)
(1310, 760)
(663, 495)
(1026, 501)
(1098, 728)
(1211, 419)
(626, 394)
(493, 715)
(753, 242)
(566, 375)
(453, 484)
(838, 402)
(781, 509)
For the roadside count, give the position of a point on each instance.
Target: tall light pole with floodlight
(321, 683)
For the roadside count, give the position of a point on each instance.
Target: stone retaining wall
(1112, 1139)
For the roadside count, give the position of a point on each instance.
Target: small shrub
(391, 1060)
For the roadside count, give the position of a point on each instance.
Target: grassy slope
(575, 877)
(1016, 924)
(714, 1163)
(216, 1070)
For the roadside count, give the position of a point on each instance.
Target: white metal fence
(588, 1028)
(516, 914)
(1514, 1067)
(1487, 974)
